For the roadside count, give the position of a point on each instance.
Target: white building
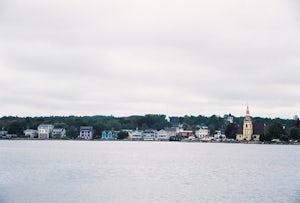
(218, 135)
(136, 135)
(58, 133)
(149, 135)
(3, 134)
(45, 131)
(86, 132)
(202, 132)
(31, 133)
(162, 135)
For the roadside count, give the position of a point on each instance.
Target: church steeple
(247, 111)
(247, 129)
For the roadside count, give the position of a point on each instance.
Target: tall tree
(231, 130)
(276, 130)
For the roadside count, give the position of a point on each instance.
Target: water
(84, 171)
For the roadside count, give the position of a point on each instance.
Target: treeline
(278, 127)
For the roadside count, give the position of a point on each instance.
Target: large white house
(149, 135)
(202, 132)
(162, 135)
(86, 132)
(137, 135)
(45, 131)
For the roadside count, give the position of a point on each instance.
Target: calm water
(78, 171)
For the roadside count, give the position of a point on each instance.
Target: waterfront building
(186, 133)
(202, 132)
(86, 132)
(31, 133)
(247, 129)
(45, 131)
(219, 135)
(183, 133)
(3, 134)
(162, 135)
(108, 135)
(137, 135)
(149, 135)
(58, 133)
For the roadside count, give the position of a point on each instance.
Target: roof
(86, 127)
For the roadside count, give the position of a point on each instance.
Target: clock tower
(247, 127)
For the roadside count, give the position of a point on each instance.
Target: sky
(136, 57)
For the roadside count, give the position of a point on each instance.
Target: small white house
(218, 135)
(31, 133)
(45, 131)
(58, 133)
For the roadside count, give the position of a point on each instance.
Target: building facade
(108, 135)
(149, 135)
(31, 133)
(162, 135)
(86, 132)
(3, 134)
(202, 132)
(59, 133)
(247, 129)
(45, 131)
(137, 135)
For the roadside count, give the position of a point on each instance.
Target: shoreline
(182, 141)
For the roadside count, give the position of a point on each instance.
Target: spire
(247, 112)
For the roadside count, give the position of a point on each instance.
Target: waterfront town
(250, 132)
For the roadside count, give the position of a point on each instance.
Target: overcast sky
(133, 57)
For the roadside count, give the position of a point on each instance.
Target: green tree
(295, 133)
(276, 130)
(15, 127)
(122, 135)
(72, 132)
(113, 124)
(60, 125)
(231, 130)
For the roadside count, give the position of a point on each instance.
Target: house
(186, 133)
(248, 132)
(149, 135)
(59, 133)
(45, 131)
(31, 133)
(183, 133)
(3, 134)
(86, 132)
(162, 135)
(108, 135)
(136, 135)
(219, 135)
(202, 132)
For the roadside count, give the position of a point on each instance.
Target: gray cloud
(136, 57)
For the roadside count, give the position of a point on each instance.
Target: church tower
(247, 127)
